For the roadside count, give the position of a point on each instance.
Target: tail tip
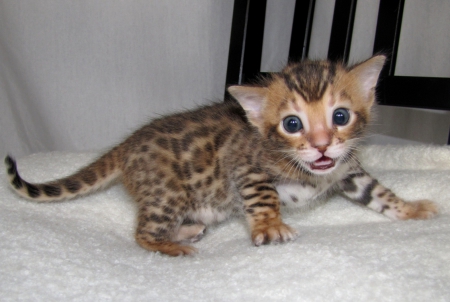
(10, 165)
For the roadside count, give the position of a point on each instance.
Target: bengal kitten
(287, 141)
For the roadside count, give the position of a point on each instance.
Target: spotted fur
(196, 168)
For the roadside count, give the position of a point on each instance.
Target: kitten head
(313, 111)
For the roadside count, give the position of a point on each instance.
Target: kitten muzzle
(323, 163)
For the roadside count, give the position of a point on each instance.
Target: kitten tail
(95, 176)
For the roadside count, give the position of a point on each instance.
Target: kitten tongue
(323, 163)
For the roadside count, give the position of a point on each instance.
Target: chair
(246, 42)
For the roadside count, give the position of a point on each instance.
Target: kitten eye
(292, 124)
(341, 116)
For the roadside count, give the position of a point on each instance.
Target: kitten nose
(322, 149)
(320, 140)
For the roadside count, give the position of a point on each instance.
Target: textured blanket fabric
(84, 250)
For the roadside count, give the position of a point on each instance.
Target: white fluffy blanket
(84, 250)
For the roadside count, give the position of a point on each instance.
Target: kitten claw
(273, 234)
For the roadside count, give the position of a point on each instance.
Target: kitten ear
(367, 74)
(252, 99)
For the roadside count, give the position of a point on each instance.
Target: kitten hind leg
(155, 239)
(166, 247)
(159, 228)
(190, 233)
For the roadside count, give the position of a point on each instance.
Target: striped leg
(362, 188)
(262, 209)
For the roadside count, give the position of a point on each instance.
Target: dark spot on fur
(144, 149)
(198, 184)
(208, 181)
(171, 125)
(217, 169)
(162, 231)
(52, 190)
(33, 191)
(253, 184)
(72, 185)
(187, 141)
(187, 170)
(155, 203)
(366, 196)
(221, 137)
(188, 188)
(382, 194)
(263, 204)
(168, 210)
(88, 176)
(190, 136)
(173, 202)
(251, 196)
(249, 158)
(166, 218)
(385, 207)
(17, 182)
(348, 185)
(294, 198)
(163, 143)
(11, 165)
(173, 186)
(158, 192)
(102, 168)
(155, 218)
(208, 154)
(265, 188)
(177, 170)
(176, 148)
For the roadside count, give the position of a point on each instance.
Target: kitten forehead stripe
(309, 79)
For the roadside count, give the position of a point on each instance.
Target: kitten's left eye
(341, 116)
(292, 124)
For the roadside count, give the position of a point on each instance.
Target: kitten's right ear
(367, 74)
(252, 99)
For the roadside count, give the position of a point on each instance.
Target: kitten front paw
(420, 209)
(274, 232)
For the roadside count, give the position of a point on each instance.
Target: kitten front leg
(262, 209)
(362, 188)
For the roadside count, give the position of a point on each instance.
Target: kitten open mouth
(322, 163)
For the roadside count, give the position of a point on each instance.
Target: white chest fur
(295, 194)
(300, 194)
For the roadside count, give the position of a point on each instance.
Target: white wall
(81, 75)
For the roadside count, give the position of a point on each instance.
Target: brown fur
(199, 167)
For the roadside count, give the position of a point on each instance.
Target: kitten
(289, 140)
